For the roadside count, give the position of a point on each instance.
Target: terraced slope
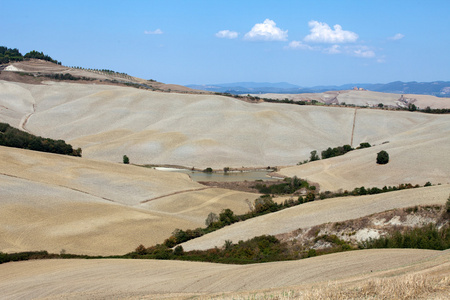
(147, 279)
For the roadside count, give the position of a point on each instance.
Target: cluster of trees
(337, 151)
(7, 55)
(436, 110)
(427, 237)
(332, 152)
(40, 55)
(289, 186)
(361, 191)
(13, 137)
(259, 249)
(7, 257)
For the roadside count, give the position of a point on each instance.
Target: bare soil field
(319, 212)
(415, 156)
(198, 130)
(53, 202)
(147, 279)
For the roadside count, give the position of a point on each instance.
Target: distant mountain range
(436, 88)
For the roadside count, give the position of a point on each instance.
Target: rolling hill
(97, 206)
(147, 279)
(54, 202)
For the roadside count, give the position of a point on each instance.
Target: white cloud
(157, 31)
(335, 49)
(396, 37)
(227, 34)
(266, 31)
(364, 53)
(299, 45)
(322, 33)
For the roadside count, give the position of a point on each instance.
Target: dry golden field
(96, 205)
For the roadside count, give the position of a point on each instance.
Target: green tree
(313, 156)
(227, 216)
(126, 160)
(382, 157)
(412, 107)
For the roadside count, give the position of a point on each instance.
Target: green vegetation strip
(265, 248)
(13, 137)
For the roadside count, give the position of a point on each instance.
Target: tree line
(8, 55)
(13, 137)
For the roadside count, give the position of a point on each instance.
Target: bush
(126, 160)
(382, 157)
(364, 145)
(426, 237)
(178, 251)
(208, 170)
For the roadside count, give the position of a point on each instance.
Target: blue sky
(202, 42)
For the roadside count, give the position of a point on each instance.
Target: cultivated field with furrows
(96, 205)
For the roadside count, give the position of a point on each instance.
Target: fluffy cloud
(322, 33)
(227, 34)
(396, 37)
(157, 31)
(266, 31)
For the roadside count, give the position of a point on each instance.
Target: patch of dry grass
(400, 287)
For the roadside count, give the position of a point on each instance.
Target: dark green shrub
(382, 157)
(178, 251)
(126, 160)
(364, 145)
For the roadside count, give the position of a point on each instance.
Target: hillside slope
(365, 98)
(416, 155)
(53, 202)
(147, 279)
(195, 130)
(319, 212)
